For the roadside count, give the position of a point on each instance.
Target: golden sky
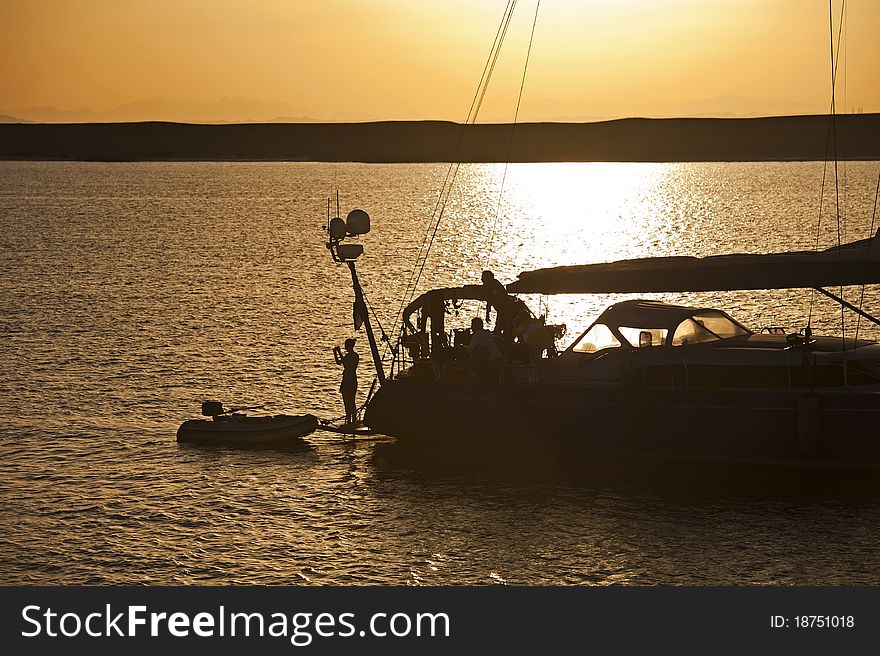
(403, 59)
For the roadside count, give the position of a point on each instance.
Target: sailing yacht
(650, 378)
(646, 379)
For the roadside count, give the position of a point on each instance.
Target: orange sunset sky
(417, 59)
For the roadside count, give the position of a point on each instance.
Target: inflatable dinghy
(234, 427)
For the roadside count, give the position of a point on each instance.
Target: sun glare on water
(554, 214)
(557, 214)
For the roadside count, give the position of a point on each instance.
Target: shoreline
(784, 139)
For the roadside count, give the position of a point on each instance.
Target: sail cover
(855, 263)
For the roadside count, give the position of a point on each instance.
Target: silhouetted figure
(349, 385)
(435, 310)
(483, 353)
(497, 298)
(533, 333)
(493, 287)
(507, 307)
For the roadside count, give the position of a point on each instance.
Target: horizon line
(572, 121)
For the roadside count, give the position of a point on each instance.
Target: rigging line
(472, 120)
(843, 27)
(819, 221)
(508, 10)
(834, 141)
(494, 61)
(474, 107)
(458, 164)
(444, 199)
(834, 62)
(467, 121)
(870, 247)
(384, 339)
(834, 65)
(452, 172)
(375, 314)
(522, 85)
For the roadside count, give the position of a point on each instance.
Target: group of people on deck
(514, 325)
(513, 322)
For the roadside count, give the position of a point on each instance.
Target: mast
(360, 310)
(355, 224)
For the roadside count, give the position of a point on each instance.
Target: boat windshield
(644, 337)
(595, 339)
(706, 326)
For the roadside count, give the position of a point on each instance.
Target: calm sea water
(130, 292)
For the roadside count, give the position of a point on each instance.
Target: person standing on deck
(496, 297)
(349, 385)
(507, 307)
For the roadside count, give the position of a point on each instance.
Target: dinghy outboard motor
(212, 408)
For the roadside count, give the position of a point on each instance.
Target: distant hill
(560, 111)
(634, 139)
(11, 119)
(555, 110)
(225, 110)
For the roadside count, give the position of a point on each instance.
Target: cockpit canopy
(644, 324)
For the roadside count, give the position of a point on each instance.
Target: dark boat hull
(736, 425)
(247, 430)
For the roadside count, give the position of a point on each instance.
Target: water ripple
(131, 292)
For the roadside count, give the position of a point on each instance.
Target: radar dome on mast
(337, 228)
(357, 223)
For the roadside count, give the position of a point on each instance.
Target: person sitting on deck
(532, 332)
(483, 353)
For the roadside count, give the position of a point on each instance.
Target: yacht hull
(834, 426)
